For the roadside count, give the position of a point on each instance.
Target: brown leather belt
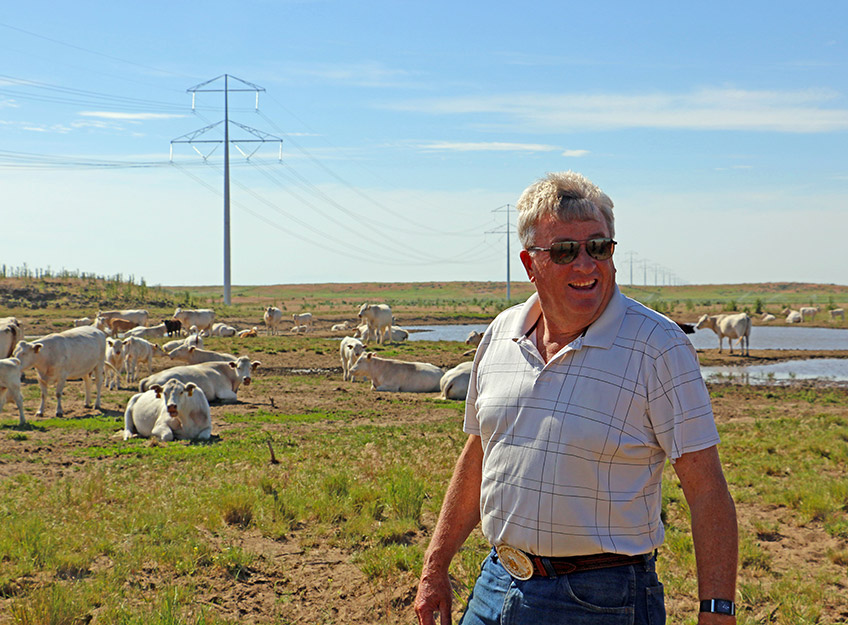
(551, 567)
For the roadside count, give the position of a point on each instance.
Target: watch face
(718, 606)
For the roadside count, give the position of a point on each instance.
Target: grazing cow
(340, 327)
(387, 374)
(10, 334)
(115, 357)
(138, 315)
(84, 321)
(808, 311)
(192, 339)
(736, 326)
(248, 333)
(222, 329)
(194, 355)
(10, 385)
(378, 318)
(303, 319)
(793, 316)
(350, 349)
(474, 338)
(837, 313)
(173, 327)
(69, 355)
(168, 411)
(454, 383)
(153, 332)
(203, 318)
(273, 318)
(138, 351)
(768, 317)
(219, 380)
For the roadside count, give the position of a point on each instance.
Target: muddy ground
(317, 583)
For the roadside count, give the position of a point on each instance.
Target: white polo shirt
(573, 450)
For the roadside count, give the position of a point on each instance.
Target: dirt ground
(318, 583)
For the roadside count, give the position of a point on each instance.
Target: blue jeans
(621, 595)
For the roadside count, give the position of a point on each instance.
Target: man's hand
(434, 595)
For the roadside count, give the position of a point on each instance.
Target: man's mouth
(584, 285)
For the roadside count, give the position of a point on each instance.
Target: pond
(762, 337)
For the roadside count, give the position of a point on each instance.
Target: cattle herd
(174, 403)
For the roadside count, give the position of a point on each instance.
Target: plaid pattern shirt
(574, 449)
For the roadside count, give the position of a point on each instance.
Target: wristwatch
(718, 606)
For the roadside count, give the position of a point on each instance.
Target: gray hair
(568, 196)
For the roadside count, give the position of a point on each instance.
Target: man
(576, 399)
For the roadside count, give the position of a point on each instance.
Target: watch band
(718, 606)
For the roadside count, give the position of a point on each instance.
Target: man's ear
(527, 261)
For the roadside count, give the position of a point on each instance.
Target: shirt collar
(601, 333)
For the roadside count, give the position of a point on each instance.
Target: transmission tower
(194, 138)
(501, 209)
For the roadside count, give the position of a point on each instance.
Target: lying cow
(454, 383)
(194, 355)
(219, 380)
(222, 329)
(10, 385)
(387, 374)
(69, 355)
(192, 339)
(153, 332)
(168, 411)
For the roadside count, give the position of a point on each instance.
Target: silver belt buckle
(516, 562)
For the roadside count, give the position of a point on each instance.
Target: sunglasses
(564, 252)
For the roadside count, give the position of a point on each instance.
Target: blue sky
(719, 130)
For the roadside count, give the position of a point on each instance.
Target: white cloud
(9, 103)
(485, 146)
(129, 116)
(575, 153)
(801, 111)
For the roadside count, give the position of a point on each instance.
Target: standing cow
(202, 318)
(736, 326)
(272, 317)
(378, 318)
(69, 355)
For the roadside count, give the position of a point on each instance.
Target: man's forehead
(572, 229)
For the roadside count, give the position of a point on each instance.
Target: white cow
(454, 383)
(219, 380)
(299, 329)
(253, 332)
(69, 355)
(84, 321)
(10, 334)
(203, 318)
(397, 334)
(194, 355)
(768, 317)
(138, 351)
(140, 316)
(350, 349)
(303, 319)
(736, 326)
(837, 313)
(273, 318)
(152, 332)
(192, 339)
(115, 358)
(474, 338)
(793, 316)
(378, 318)
(808, 311)
(340, 327)
(10, 385)
(168, 411)
(387, 374)
(222, 329)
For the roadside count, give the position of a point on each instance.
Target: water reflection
(835, 369)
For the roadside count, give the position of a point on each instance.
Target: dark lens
(563, 252)
(600, 249)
